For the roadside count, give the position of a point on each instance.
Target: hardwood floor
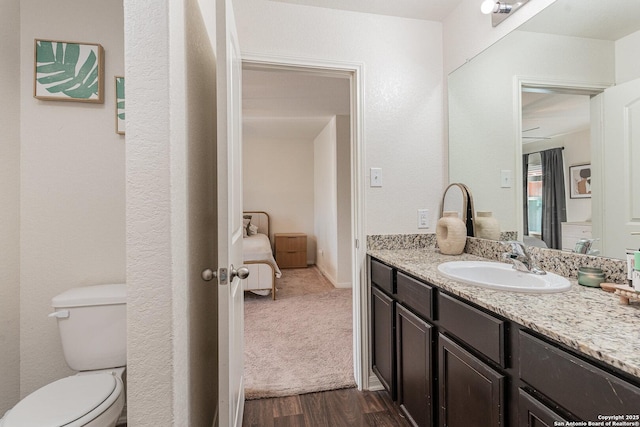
(336, 408)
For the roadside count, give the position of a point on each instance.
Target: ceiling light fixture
(493, 6)
(500, 10)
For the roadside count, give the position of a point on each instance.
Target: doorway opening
(558, 135)
(301, 148)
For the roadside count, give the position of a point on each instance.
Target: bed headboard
(261, 220)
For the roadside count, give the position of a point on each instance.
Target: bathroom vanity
(452, 354)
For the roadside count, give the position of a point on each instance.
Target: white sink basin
(498, 275)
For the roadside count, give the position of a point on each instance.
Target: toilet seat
(70, 402)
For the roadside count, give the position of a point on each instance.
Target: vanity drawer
(415, 294)
(382, 276)
(480, 330)
(580, 387)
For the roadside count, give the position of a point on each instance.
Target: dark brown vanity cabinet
(450, 363)
(533, 413)
(579, 387)
(414, 343)
(383, 339)
(471, 392)
(383, 324)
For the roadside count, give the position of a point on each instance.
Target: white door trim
(518, 83)
(355, 71)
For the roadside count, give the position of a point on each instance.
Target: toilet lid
(64, 401)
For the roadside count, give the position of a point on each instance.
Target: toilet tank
(92, 321)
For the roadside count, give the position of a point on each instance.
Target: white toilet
(93, 328)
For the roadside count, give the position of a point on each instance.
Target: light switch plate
(506, 178)
(376, 177)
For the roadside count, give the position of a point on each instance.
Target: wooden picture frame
(120, 104)
(68, 71)
(580, 181)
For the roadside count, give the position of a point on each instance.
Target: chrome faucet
(520, 259)
(583, 246)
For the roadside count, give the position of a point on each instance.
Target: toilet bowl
(92, 325)
(83, 400)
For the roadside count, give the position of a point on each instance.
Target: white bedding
(258, 248)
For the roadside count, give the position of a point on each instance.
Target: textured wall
(149, 245)
(325, 196)
(72, 226)
(278, 179)
(9, 204)
(172, 363)
(403, 125)
(343, 168)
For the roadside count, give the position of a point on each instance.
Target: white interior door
(229, 163)
(621, 182)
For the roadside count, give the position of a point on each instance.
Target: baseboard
(374, 383)
(344, 285)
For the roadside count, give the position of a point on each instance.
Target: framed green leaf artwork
(68, 71)
(120, 105)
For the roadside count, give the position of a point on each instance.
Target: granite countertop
(586, 319)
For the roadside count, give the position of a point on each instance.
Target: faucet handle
(517, 247)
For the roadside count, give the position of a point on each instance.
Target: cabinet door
(532, 413)
(471, 392)
(580, 387)
(383, 339)
(414, 361)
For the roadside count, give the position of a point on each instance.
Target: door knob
(241, 273)
(208, 275)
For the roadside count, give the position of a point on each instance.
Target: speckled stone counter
(586, 319)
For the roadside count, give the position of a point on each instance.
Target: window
(534, 195)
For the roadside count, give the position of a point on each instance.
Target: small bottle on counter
(636, 271)
(630, 266)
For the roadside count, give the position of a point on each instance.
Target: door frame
(520, 82)
(355, 72)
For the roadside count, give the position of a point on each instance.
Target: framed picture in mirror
(580, 181)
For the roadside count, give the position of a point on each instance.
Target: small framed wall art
(580, 177)
(68, 71)
(119, 104)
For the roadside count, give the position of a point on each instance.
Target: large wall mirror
(552, 110)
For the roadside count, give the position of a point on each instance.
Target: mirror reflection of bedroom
(297, 203)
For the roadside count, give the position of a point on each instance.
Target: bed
(258, 256)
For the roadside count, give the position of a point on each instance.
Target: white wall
(172, 361)
(9, 204)
(343, 180)
(467, 32)
(403, 94)
(72, 227)
(577, 151)
(149, 215)
(627, 58)
(326, 200)
(278, 179)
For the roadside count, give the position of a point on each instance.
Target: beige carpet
(301, 342)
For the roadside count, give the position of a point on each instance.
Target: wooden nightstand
(291, 250)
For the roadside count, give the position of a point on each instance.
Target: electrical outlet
(376, 177)
(423, 218)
